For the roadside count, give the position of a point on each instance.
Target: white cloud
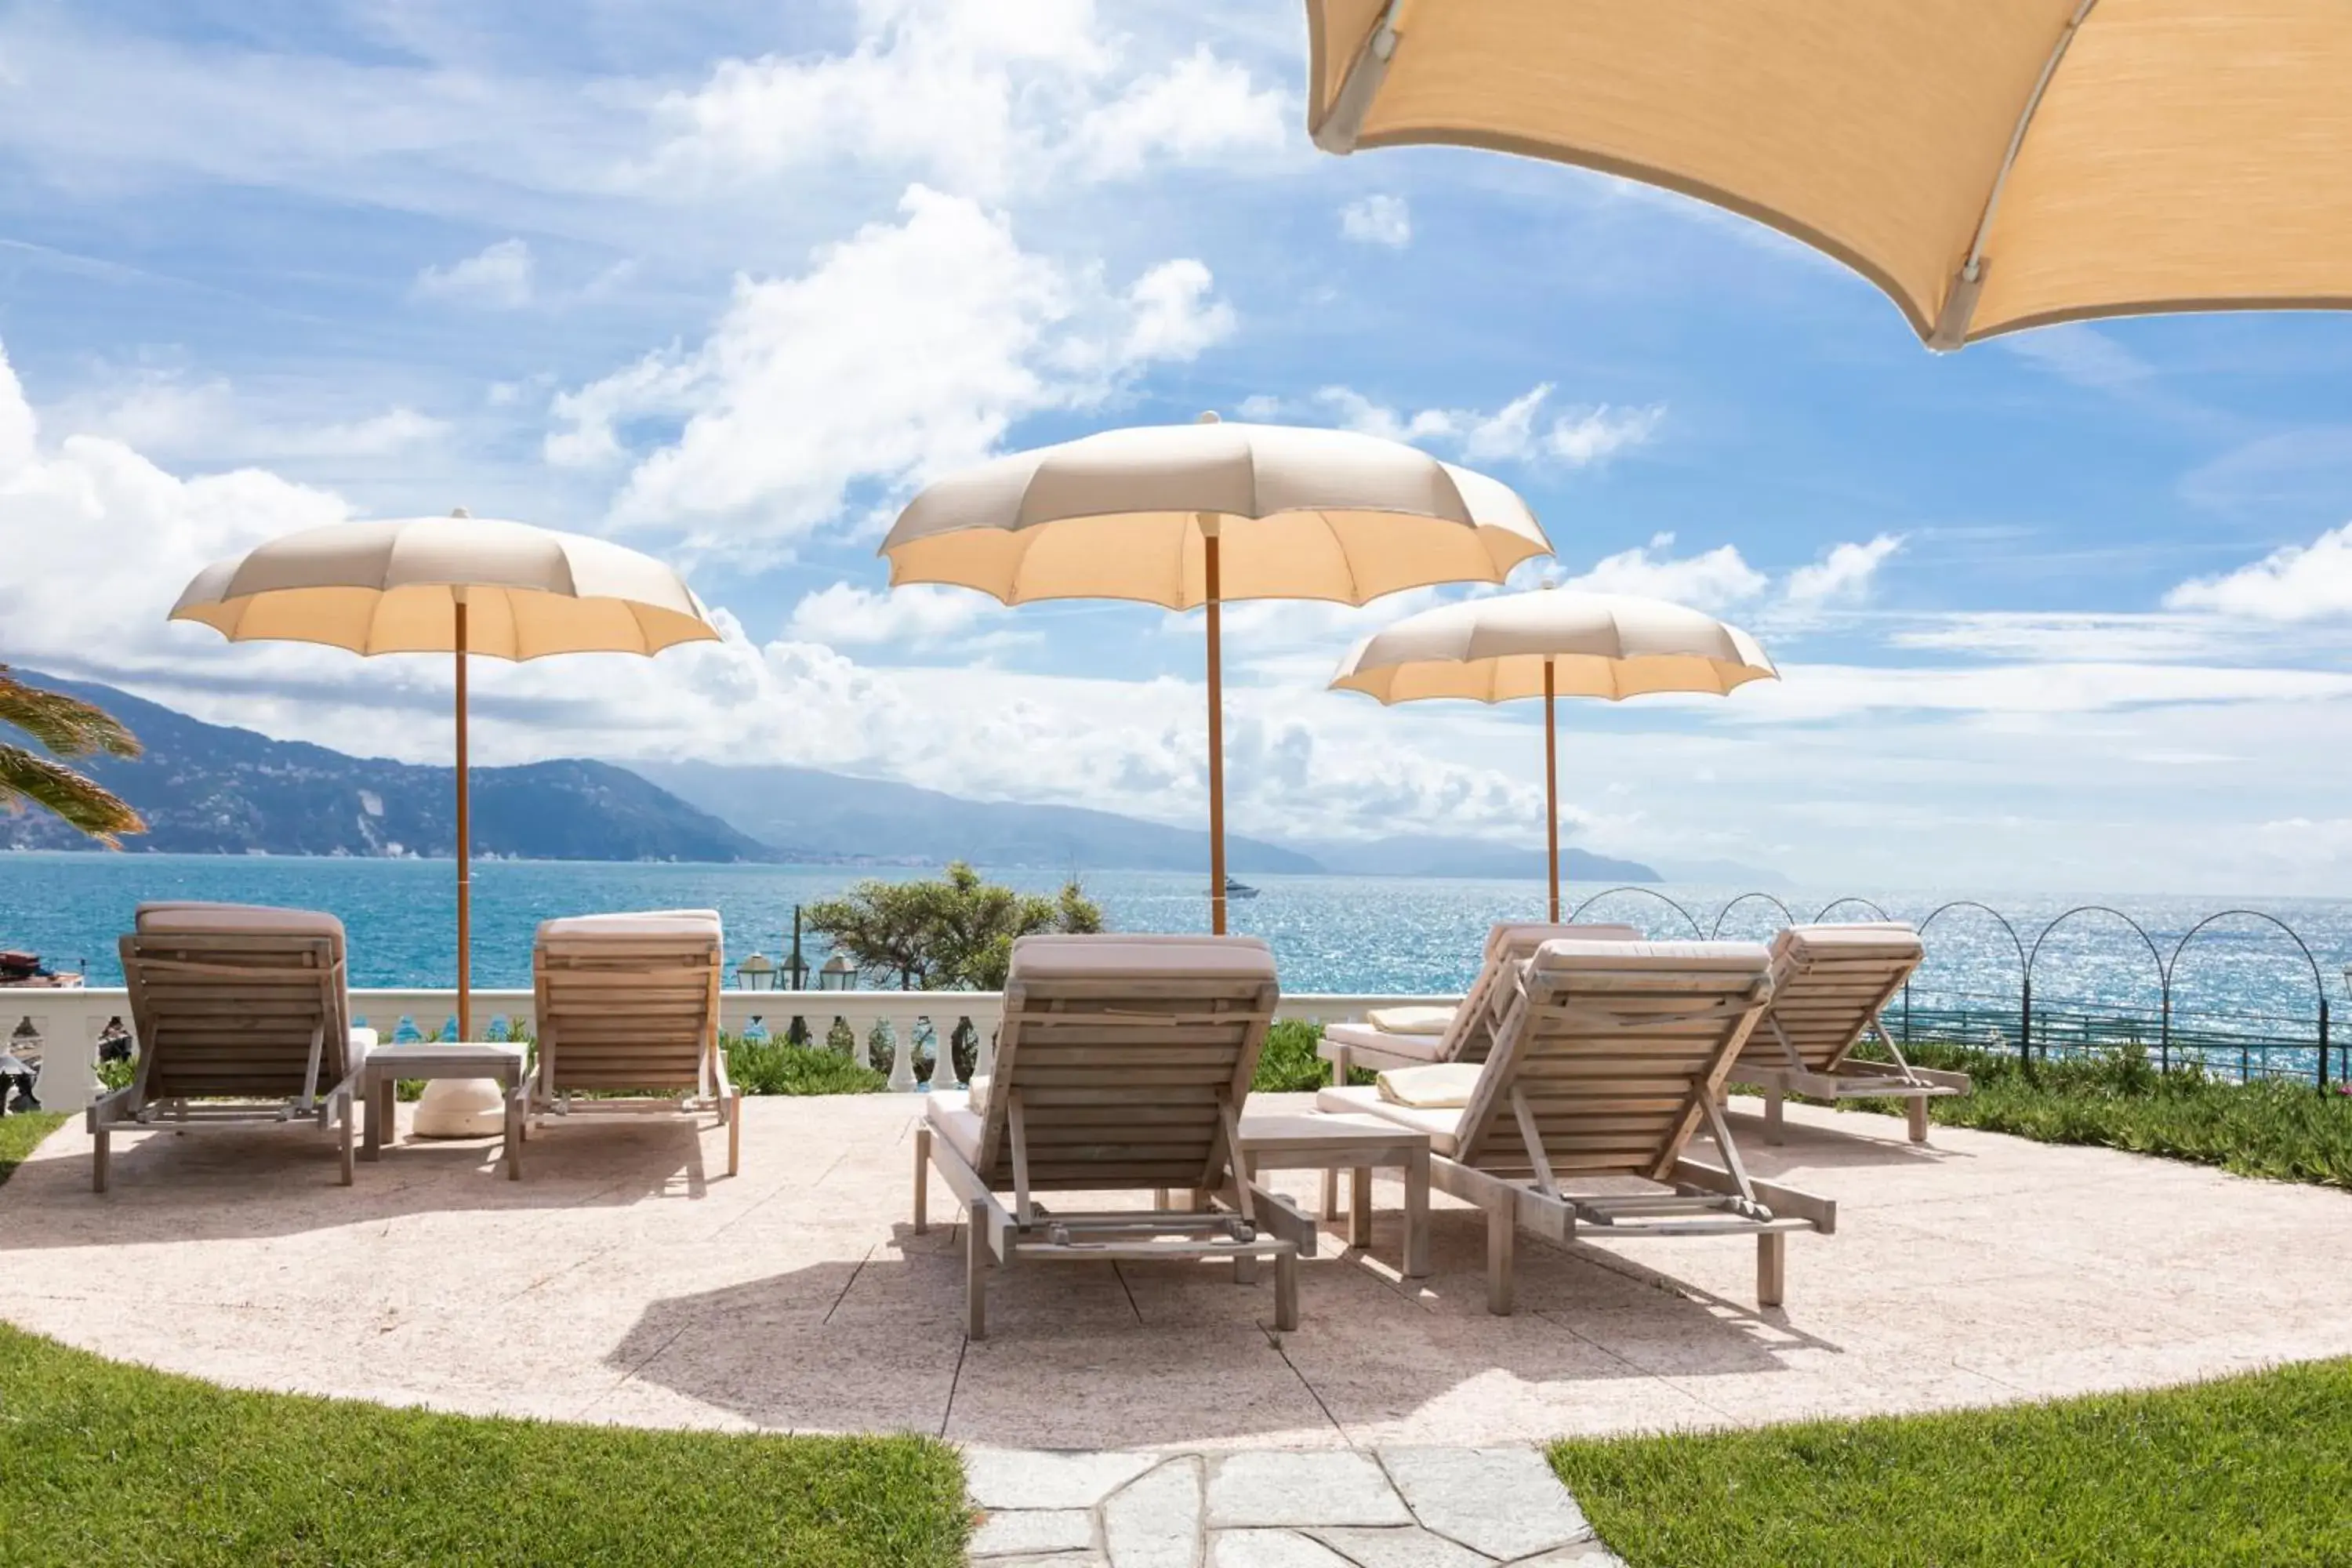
(916, 615)
(500, 276)
(1174, 315)
(166, 416)
(976, 99)
(904, 350)
(2295, 583)
(1577, 437)
(1844, 577)
(2080, 353)
(1378, 219)
(1200, 110)
(1713, 580)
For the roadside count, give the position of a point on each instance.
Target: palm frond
(27, 779)
(67, 726)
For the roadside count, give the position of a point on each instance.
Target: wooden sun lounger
(241, 1020)
(628, 1012)
(1120, 1066)
(1467, 1032)
(1606, 1065)
(1829, 986)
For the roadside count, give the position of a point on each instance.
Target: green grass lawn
(101, 1462)
(21, 1134)
(2254, 1470)
(2287, 1131)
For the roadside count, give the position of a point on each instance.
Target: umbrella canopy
(394, 587)
(1555, 642)
(1990, 167)
(1188, 515)
(1128, 514)
(454, 584)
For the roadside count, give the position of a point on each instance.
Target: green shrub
(1288, 1063)
(776, 1066)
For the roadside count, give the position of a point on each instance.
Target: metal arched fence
(2245, 1042)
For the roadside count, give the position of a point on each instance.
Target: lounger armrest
(1276, 1214)
(1957, 1082)
(107, 1110)
(718, 1073)
(1784, 1202)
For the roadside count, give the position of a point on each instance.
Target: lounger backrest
(629, 1002)
(236, 1001)
(1613, 1047)
(1827, 983)
(1509, 945)
(1125, 1054)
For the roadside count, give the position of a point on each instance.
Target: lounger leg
(1359, 1209)
(1331, 1176)
(735, 1134)
(1416, 1217)
(975, 1271)
(1502, 1241)
(1286, 1292)
(514, 1131)
(346, 1113)
(98, 1160)
(1771, 1268)
(1159, 1198)
(922, 1181)
(371, 1097)
(1918, 1111)
(1775, 1122)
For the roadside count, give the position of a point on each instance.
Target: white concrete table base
(1340, 1508)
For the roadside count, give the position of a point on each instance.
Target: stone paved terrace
(626, 1279)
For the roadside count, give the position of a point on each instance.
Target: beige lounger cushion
(634, 923)
(1439, 1124)
(952, 1116)
(1420, 1048)
(1410, 1020)
(1441, 1085)
(1523, 934)
(182, 917)
(1143, 958)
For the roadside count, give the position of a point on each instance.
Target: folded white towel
(1410, 1020)
(1441, 1085)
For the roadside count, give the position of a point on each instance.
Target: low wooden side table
(1315, 1140)
(387, 1064)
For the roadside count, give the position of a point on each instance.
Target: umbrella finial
(1209, 418)
(459, 511)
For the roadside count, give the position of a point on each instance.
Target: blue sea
(1355, 935)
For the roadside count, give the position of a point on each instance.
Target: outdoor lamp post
(795, 965)
(836, 974)
(756, 972)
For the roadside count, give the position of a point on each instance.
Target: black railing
(2245, 1045)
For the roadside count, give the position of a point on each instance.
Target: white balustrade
(63, 1026)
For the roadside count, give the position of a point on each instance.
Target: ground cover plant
(2272, 1128)
(102, 1462)
(2253, 1470)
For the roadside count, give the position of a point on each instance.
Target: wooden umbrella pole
(1551, 792)
(1216, 734)
(465, 852)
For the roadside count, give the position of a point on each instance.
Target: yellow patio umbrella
(1186, 515)
(1991, 165)
(454, 584)
(1555, 642)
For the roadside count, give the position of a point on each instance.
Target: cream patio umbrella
(1185, 515)
(1991, 165)
(1554, 642)
(452, 584)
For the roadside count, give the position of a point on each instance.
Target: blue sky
(2067, 610)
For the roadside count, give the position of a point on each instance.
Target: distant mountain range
(886, 821)
(211, 789)
(207, 789)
